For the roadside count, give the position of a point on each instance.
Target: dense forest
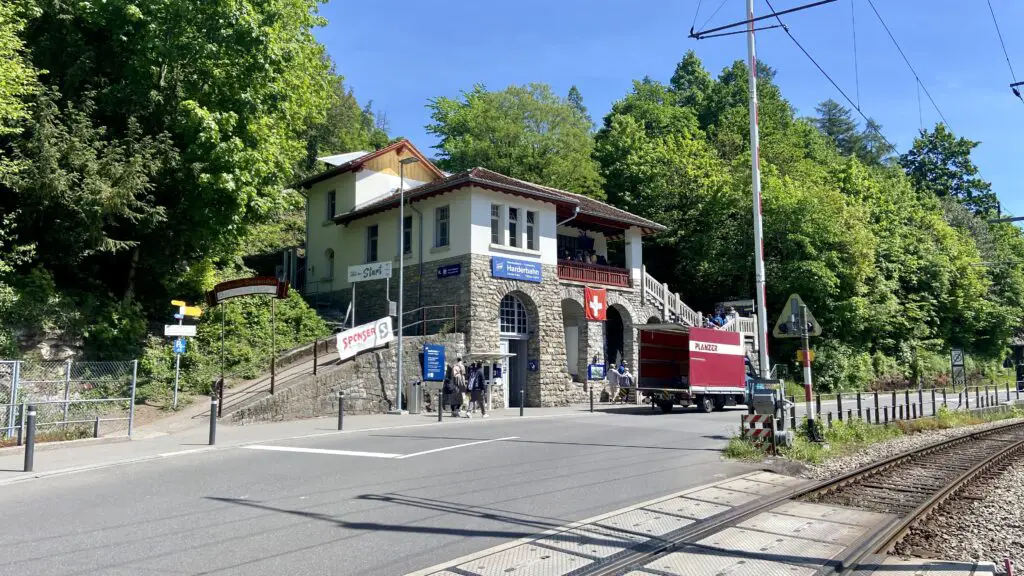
(147, 147)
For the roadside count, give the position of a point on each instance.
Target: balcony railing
(593, 274)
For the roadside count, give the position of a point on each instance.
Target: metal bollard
(977, 396)
(591, 399)
(893, 404)
(341, 410)
(860, 413)
(920, 399)
(220, 396)
(520, 401)
(867, 412)
(913, 411)
(906, 400)
(817, 399)
(30, 437)
(96, 428)
(885, 412)
(901, 412)
(934, 407)
(213, 419)
(876, 407)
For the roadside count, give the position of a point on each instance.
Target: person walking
(459, 381)
(477, 391)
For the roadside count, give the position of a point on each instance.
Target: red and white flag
(596, 303)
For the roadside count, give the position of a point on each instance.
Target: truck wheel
(666, 406)
(705, 404)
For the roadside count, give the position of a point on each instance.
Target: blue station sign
(515, 269)
(433, 363)
(448, 270)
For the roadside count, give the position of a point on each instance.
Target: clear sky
(401, 54)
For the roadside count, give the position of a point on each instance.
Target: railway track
(907, 486)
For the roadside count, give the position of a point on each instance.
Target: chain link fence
(72, 399)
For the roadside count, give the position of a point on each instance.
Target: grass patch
(72, 432)
(743, 449)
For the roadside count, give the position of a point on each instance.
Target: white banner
(374, 271)
(715, 348)
(364, 337)
(179, 330)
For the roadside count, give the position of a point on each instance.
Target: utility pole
(755, 185)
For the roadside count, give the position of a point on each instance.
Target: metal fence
(72, 398)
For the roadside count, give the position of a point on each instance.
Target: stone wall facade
(368, 381)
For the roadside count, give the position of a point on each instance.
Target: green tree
(940, 163)
(837, 124)
(575, 100)
(525, 132)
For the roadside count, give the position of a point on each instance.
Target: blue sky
(401, 54)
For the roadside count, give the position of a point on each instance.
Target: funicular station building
(503, 261)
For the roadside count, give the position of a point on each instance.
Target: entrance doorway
(514, 331)
(614, 338)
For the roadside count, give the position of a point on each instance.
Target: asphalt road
(318, 511)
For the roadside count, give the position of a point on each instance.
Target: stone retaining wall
(368, 381)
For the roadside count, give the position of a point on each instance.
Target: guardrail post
(21, 424)
(341, 409)
(920, 399)
(934, 408)
(839, 406)
(867, 412)
(913, 411)
(893, 404)
(1007, 391)
(860, 414)
(131, 403)
(316, 351)
(885, 411)
(830, 419)
(906, 399)
(30, 438)
(876, 407)
(901, 412)
(977, 396)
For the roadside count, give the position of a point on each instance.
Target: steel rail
(885, 537)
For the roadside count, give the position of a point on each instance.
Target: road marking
(323, 451)
(454, 447)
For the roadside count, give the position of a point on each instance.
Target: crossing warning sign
(788, 325)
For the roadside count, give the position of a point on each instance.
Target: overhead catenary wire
(713, 14)
(1006, 54)
(853, 26)
(907, 60)
(849, 100)
(695, 14)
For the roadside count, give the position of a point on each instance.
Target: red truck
(699, 366)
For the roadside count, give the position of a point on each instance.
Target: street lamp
(401, 274)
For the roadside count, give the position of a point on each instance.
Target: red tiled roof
(489, 179)
(358, 163)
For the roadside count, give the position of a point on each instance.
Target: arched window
(512, 317)
(329, 256)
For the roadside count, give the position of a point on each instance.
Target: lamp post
(401, 275)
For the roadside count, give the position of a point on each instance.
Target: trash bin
(414, 396)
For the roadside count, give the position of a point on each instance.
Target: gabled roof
(339, 159)
(357, 163)
(566, 202)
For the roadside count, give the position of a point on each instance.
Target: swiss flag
(596, 303)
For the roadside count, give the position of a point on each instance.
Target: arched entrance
(614, 340)
(574, 323)
(654, 320)
(514, 330)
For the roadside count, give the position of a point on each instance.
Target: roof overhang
(356, 164)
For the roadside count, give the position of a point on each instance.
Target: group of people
(585, 256)
(719, 319)
(619, 382)
(464, 390)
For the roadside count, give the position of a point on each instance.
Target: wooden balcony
(593, 274)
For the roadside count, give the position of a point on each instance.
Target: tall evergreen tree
(837, 124)
(939, 162)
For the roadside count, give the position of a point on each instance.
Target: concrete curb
(56, 445)
(90, 467)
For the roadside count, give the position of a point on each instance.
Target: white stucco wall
(321, 232)
(634, 253)
(481, 227)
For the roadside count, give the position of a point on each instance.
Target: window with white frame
(440, 226)
(496, 235)
(332, 197)
(371, 243)
(513, 227)
(512, 317)
(531, 230)
(407, 234)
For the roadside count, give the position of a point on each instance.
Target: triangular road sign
(788, 325)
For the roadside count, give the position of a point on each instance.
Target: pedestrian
(459, 381)
(448, 392)
(477, 388)
(613, 384)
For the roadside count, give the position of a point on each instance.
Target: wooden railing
(672, 306)
(593, 274)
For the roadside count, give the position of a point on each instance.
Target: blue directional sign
(515, 269)
(433, 362)
(449, 270)
(179, 346)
